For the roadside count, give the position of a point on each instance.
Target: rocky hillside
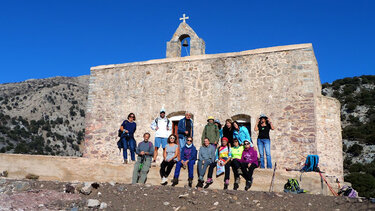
(44, 116)
(357, 98)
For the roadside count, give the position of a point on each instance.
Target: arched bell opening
(185, 45)
(243, 120)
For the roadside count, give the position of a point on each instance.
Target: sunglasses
(189, 140)
(247, 143)
(172, 137)
(132, 116)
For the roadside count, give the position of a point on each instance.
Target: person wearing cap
(264, 125)
(185, 129)
(241, 133)
(237, 150)
(249, 161)
(163, 128)
(188, 156)
(211, 131)
(218, 124)
(222, 158)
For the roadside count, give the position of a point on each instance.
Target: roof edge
(208, 56)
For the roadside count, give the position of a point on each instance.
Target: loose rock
(183, 196)
(92, 203)
(166, 203)
(103, 205)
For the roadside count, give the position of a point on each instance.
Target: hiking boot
(200, 184)
(190, 180)
(125, 162)
(226, 184)
(235, 186)
(174, 182)
(248, 185)
(208, 183)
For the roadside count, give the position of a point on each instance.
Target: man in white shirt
(163, 128)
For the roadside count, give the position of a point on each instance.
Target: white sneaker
(163, 180)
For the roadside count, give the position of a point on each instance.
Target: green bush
(363, 183)
(355, 150)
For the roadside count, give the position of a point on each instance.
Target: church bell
(185, 43)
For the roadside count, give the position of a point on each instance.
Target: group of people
(222, 148)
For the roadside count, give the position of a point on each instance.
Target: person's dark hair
(234, 140)
(169, 139)
(260, 122)
(147, 133)
(130, 115)
(218, 125)
(237, 124)
(190, 137)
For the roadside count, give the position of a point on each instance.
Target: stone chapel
(282, 82)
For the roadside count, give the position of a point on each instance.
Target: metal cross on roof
(184, 18)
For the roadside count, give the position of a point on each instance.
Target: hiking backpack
(348, 191)
(311, 164)
(291, 186)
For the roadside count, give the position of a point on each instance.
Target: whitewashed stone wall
(282, 82)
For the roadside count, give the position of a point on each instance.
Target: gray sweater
(146, 147)
(207, 153)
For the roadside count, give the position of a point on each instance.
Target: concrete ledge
(70, 169)
(207, 56)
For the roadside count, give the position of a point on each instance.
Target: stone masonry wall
(280, 82)
(329, 140)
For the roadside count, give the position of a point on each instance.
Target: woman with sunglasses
(128, 128)
(170, 155)
(187, 159)
(249, 161)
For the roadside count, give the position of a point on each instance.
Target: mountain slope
(357, 98)
(44, 116)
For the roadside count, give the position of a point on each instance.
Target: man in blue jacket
(187, 159)
(185, 129)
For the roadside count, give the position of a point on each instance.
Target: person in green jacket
(211, 131)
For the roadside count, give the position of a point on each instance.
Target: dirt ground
(47, 195)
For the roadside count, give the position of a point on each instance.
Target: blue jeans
(182, 140)
(202, 168)
(161, 141)
(128, 143)
(265, 144)
(190, 169)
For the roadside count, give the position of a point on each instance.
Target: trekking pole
(273, 178)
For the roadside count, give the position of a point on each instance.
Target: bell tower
(197, 45)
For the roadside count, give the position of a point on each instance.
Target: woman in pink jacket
(249, 161)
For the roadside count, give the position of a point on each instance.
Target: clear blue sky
(42, 39)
